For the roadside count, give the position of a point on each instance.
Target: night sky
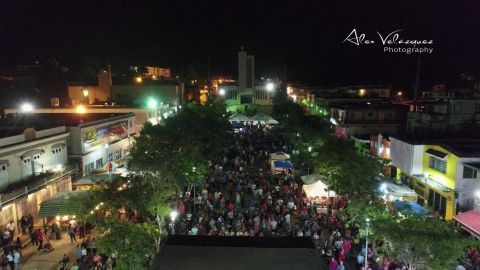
(302, 37)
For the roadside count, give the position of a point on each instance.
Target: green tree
(421, 242)
(128, 242)
(346, 171)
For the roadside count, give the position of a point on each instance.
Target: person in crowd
(71, 233)
(11, 228)
(40, 235)
(10, 261)
(16, 259)
(33, 236)
(24, 224)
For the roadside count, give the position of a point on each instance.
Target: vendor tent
(261, 117)
(62, 204)
(314, 187)
(239, 118)
(410, 208)
(271, 122)
(279, 156)
(282, 164)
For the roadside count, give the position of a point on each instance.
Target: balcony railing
(33, 183)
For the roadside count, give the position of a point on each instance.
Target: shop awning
(470, 221)
(63, 204)
(283, 164)
(410, 208)
(436, 153)
(475, 166)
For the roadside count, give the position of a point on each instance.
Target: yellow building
(442, 174)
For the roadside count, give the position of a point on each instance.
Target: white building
(247, 94)
(32, 153)
(98, 139)
(32, 167)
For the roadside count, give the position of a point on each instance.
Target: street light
(270, 86)
(152, 103)
(81, 109)
(173, 216)
(26, 107)
(221, 92)
(85, 96)
(366, 242)
(309, 149)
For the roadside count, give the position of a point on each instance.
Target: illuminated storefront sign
(104, 135)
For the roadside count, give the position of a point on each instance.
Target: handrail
(6, 198)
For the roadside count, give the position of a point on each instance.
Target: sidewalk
(39, 260)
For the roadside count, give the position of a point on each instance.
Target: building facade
(443, 115)
(247, 93)
(95, 143)
(33, 168)
(366, 119)
(443, 175)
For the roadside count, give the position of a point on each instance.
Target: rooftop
(16, 124)
(466, 146)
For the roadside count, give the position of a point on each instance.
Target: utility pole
(417, 78)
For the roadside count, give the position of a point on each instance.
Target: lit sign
(104, 135)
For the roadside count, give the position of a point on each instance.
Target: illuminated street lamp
(366, 242)
(138, 79)
(81, 109)
(152, 103)
(309, 149)
(173, 216)
(221, 92)
(270, 86)
(26, 107)
(85, 96)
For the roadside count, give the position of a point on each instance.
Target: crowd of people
(245, 197)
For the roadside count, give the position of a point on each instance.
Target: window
(437, 164)
(99, 163)
(110, 157)
(259, 94)
(232, 95)
(89, 168)
(3, 168)
(469, 173)
(36, 157)
(57, 150)
(118, 154)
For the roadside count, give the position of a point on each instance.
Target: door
(27, 166)
(3, 175)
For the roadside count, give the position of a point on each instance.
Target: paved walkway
(39, 260)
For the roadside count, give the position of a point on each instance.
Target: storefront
(434, 196)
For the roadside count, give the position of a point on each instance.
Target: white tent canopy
(279, 156)
(261, 117)
(271, 122)
(314, 187)
(239, 118)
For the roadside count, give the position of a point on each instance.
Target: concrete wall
(15, 169)
(407, 157)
